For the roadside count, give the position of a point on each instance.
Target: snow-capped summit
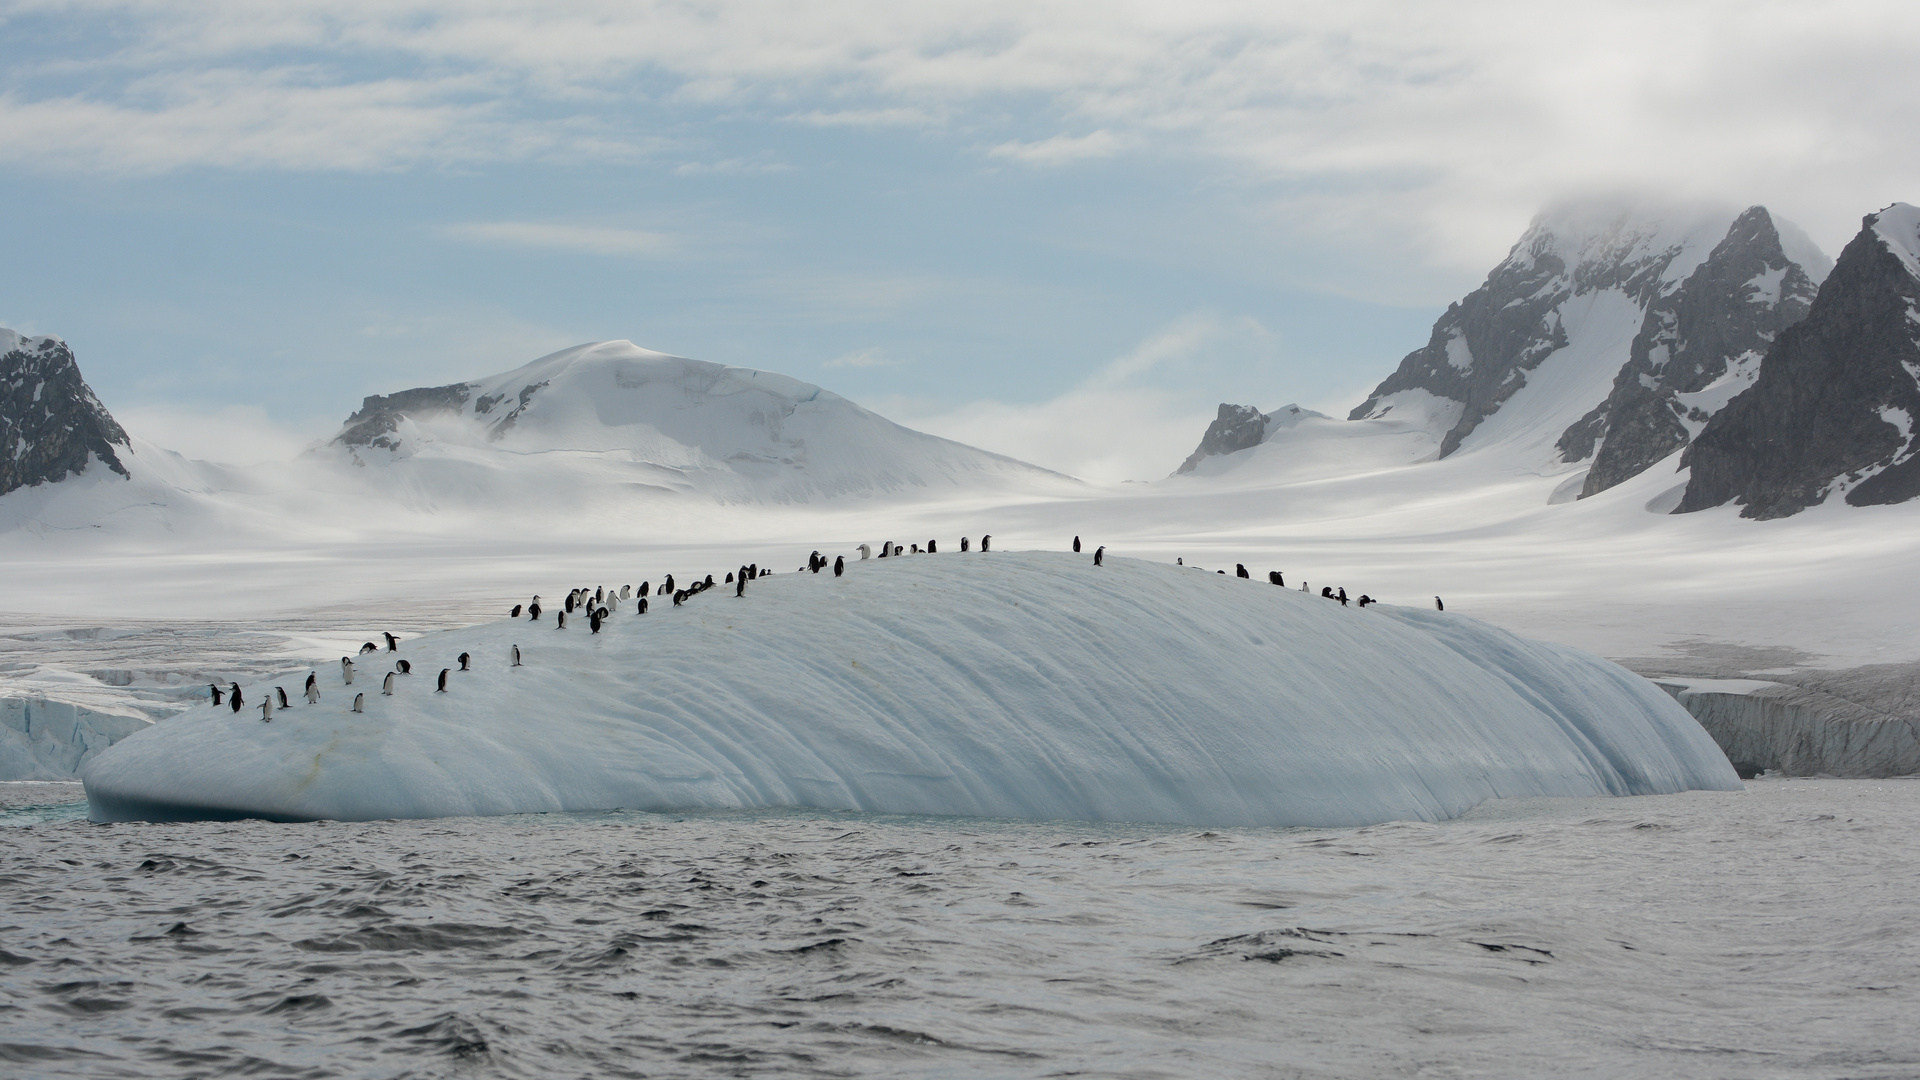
(1833, 408)
(51, 424)
(649, 420)
(1242, 427)
(1561, 357)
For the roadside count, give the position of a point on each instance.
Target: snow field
(1020, 685)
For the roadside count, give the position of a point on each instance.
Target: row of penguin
(600, 605)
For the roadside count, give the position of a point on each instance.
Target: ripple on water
(1765, 934)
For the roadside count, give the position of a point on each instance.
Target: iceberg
(1006, 684)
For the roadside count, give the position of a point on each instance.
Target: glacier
(1015, 685)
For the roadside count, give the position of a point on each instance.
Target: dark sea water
(1774, 933)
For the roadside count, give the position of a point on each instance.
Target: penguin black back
(1274, 578)
(282, 691)
(1099, 555)
(533, 613)
(393, 643)
(985, 539)
(1240, 570)
(465, 658)
(403, 667)
(1437, 605)
(236, 697)
(593, 621)
(1076, 545)
(442, 688)
(839, 565)
(516, 612)
(217, 698)
(643, 607)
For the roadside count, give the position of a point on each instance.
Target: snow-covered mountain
(1832, 409)
(613, 413)
(51, 424)
(1611, 334)
(1242, 427)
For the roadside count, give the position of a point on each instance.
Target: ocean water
(1774, 932)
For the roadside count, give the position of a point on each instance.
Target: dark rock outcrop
(1238, 427)
(380, 415)
(1483, 347)
(1837, 395)
(1724, 315)
(51, 424)
(1242, 427)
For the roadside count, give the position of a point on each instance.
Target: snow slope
(612, 418)
(1022, 685)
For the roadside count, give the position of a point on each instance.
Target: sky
(1062, 231)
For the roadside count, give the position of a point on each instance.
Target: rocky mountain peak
(1241, 427)
(1482, 349)
(1699, 345)
(51, 424)
(1832, 409)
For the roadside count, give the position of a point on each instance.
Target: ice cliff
(1020, 685)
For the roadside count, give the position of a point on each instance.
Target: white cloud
(231, 435)
(1060, 149)
(1136, 419)
(864, 358)
(586, 239)
(1433, 130)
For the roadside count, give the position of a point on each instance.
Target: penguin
(933, 547)
(464, 659)
(1326, 591)
(403, 667)
(740, 587)
(1274, 577)
(1365, 600)
(604, 613)
(1099, 553)
(916, 549)
(560, 619)
(866, 550)
(1222, 573)
(235, 698)
(729, 580)
(626, 592)
(359, 703)
(598, 596)
(442, 688)
(679, 598)
(1304, 587)
(1076, 545)
(768, 572)
(1240, 570)
(215, 687)
(533, 612)
(393, 643)
(266, 711)
(386, 685)
(839, 565)
(886, 549)
(753, 570)
(516, 612)
(535, 602)
(814, 562)
(709, 582)
(593, 624)
(313, 681)
(369, 647)
(646, 587)
(1343, 596)
(643, 606)
(963, 545)
(346, 670)
(516, 651)
(1437, 605)
(313, 692)
(1179, 560)
(668, 587)
(985, 539)
(898, 550)
(282, 691)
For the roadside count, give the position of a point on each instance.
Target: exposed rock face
(50, 422)
(1241, 427)
(1484, 345)
(1834, 405)
(1236, 428)
(1699, 345)
(380, 415)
